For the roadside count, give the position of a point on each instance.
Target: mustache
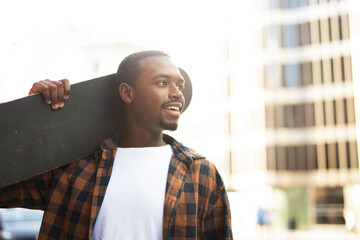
(176, 101)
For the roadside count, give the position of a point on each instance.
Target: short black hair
(129, 68)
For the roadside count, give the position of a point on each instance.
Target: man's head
(150, 86)
(129, 69)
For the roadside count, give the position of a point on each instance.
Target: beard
(168, 126)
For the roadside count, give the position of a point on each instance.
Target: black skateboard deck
(34, 138)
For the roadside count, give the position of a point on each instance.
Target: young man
(143, 184)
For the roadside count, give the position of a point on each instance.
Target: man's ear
(126, 92)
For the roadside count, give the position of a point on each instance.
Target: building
(310, 78)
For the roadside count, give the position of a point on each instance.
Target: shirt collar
(181, 152)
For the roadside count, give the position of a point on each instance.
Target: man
(143, 184)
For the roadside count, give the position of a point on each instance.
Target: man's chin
(169, 126)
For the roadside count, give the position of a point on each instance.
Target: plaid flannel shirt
(196, 204)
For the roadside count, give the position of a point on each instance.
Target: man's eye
(162, 83)
(181, 88)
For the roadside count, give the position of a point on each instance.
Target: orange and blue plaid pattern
(196, 204)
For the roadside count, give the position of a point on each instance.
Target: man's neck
(140, 138)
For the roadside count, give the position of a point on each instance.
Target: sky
(52, 39)
(45, 39)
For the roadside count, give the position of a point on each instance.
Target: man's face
(158, 100)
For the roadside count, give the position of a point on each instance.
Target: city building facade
(310, 77)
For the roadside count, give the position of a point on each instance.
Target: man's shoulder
(87, 162)
(203, 165)
(196, 155)
(206, 176)
(181, 147)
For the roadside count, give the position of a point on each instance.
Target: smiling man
(153, 99)
(143, 184)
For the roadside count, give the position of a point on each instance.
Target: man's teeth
(174, 108)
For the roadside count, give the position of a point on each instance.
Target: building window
(271, 158)
(339, 111)
(291, 75)
(309, 114)
(336, 70)
(316, 72)
(311, 157)
(289, 114)
(332, 155)
(324, 30)
(304, 33)
(299, 113)
(281, 158)
(290, 36)
(349, 111)
(335, 30)
(329, 114)
(301, 163)
(292, 158)
(326, 71)
(270, 116)
(306, 73)
(279, 116)
(315, 32)
(351, 152)
(329, 205)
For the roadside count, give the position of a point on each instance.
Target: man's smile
(173, 108)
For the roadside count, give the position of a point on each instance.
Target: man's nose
(175, 92)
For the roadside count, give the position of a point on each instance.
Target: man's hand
(54, 92)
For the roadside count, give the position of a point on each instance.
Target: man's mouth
(173, 108)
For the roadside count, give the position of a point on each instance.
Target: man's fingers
(66, 85)
(60, 93)
(43, 89)
(53, 88)
(54, 92)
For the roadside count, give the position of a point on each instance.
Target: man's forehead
(158, 64)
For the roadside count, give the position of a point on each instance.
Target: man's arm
(217, 221)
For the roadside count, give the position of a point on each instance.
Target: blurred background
(276, 93)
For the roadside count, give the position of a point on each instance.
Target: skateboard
(34, 138)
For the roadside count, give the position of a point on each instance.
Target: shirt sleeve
(30, 193)
(217, 221)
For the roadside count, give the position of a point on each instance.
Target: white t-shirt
(134, 200)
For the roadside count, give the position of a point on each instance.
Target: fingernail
(48, 102)
(55, 106)
(61, 105)
(66, 96)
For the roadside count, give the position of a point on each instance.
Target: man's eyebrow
(162, 76)
(168, 77)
